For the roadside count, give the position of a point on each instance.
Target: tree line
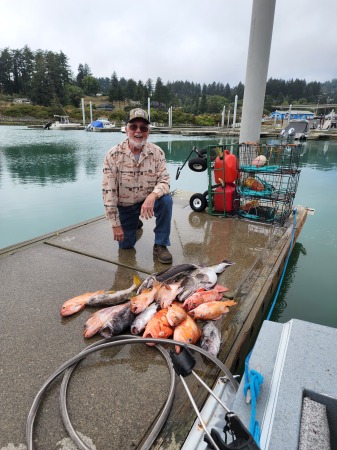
(46, 79)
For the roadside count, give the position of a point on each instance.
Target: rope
(253, 379)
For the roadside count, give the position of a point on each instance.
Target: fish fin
(136, 280)
(218, 287)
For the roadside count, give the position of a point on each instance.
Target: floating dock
(116, 394)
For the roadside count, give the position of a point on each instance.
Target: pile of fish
(166, 304)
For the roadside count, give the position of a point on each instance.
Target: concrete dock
(116, 394)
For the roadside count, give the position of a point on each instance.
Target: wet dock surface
(115, 394)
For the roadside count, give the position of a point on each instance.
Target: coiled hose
(69, 366)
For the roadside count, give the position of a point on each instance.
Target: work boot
(163, 254)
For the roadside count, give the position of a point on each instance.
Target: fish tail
(136, 280)
(227, 261)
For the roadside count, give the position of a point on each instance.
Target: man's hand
(118, 233)
(146, 211)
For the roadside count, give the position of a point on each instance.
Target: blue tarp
(97, 124)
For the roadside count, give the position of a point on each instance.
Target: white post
(229, 116)
(171, 117)
(289, 113)
(332, 115)
(261, 30)
(90, 111)
(83, 112)
(223, 117)
(235, 108)
(148, 108)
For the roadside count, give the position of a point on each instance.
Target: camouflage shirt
(127, 181)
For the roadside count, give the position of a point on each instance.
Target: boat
(294, 405)
(101, 124)
(297, 129)
(61, 123)
(123, 130)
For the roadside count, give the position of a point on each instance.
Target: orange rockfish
(100, 318)
(175, 314)
(158, 326)
(144, 299)
(99, 298)
(204, 296)
(211, 310)
(187, 331)
(167, 293)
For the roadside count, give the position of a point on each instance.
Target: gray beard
(136, 144)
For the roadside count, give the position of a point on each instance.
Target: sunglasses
(134, 127)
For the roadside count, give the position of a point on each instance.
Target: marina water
(52, 179)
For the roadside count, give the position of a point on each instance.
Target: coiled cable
(70, 365)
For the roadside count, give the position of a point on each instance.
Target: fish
(202, 277)
(118, 323)
(100, 318)
(204, 296)
(144, 299)
(76, 304)
(175, 314)
(98, 298)
(254, 184)
(141, 320)
(187, 331)
(111, 298)
(166, 275)
(211, 310)
(158, 326)
(167, 293)
(210, 338)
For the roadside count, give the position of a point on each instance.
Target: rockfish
(175, 314)
(210, 338)
(75, 304)
(158, 326)
(99, 298)
(203, 277)
(187, 332)
(167, 293)
(118, 323)
(211, 310)
(144, 299)
(204, 296)
(140, 322)
(165, 275)
(100, 318)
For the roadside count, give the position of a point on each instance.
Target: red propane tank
(226, 168)
(219, 196)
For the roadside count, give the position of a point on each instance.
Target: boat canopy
(97, 124)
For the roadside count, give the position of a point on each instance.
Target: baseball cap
(138, 113)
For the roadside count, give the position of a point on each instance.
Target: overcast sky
(195, 40)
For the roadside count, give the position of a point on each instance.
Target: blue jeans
(129, 216)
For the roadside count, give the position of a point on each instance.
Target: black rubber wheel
(198, 202)
(198, 164)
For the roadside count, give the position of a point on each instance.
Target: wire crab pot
(268, 158)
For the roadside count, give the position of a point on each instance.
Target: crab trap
(269, 158)
(263, 209)
(267, 181)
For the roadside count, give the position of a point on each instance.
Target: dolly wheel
(198, 202)
(198, 164)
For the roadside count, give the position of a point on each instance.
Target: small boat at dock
(101, 124)
(61, 123)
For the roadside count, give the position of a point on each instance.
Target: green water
(52, 179)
